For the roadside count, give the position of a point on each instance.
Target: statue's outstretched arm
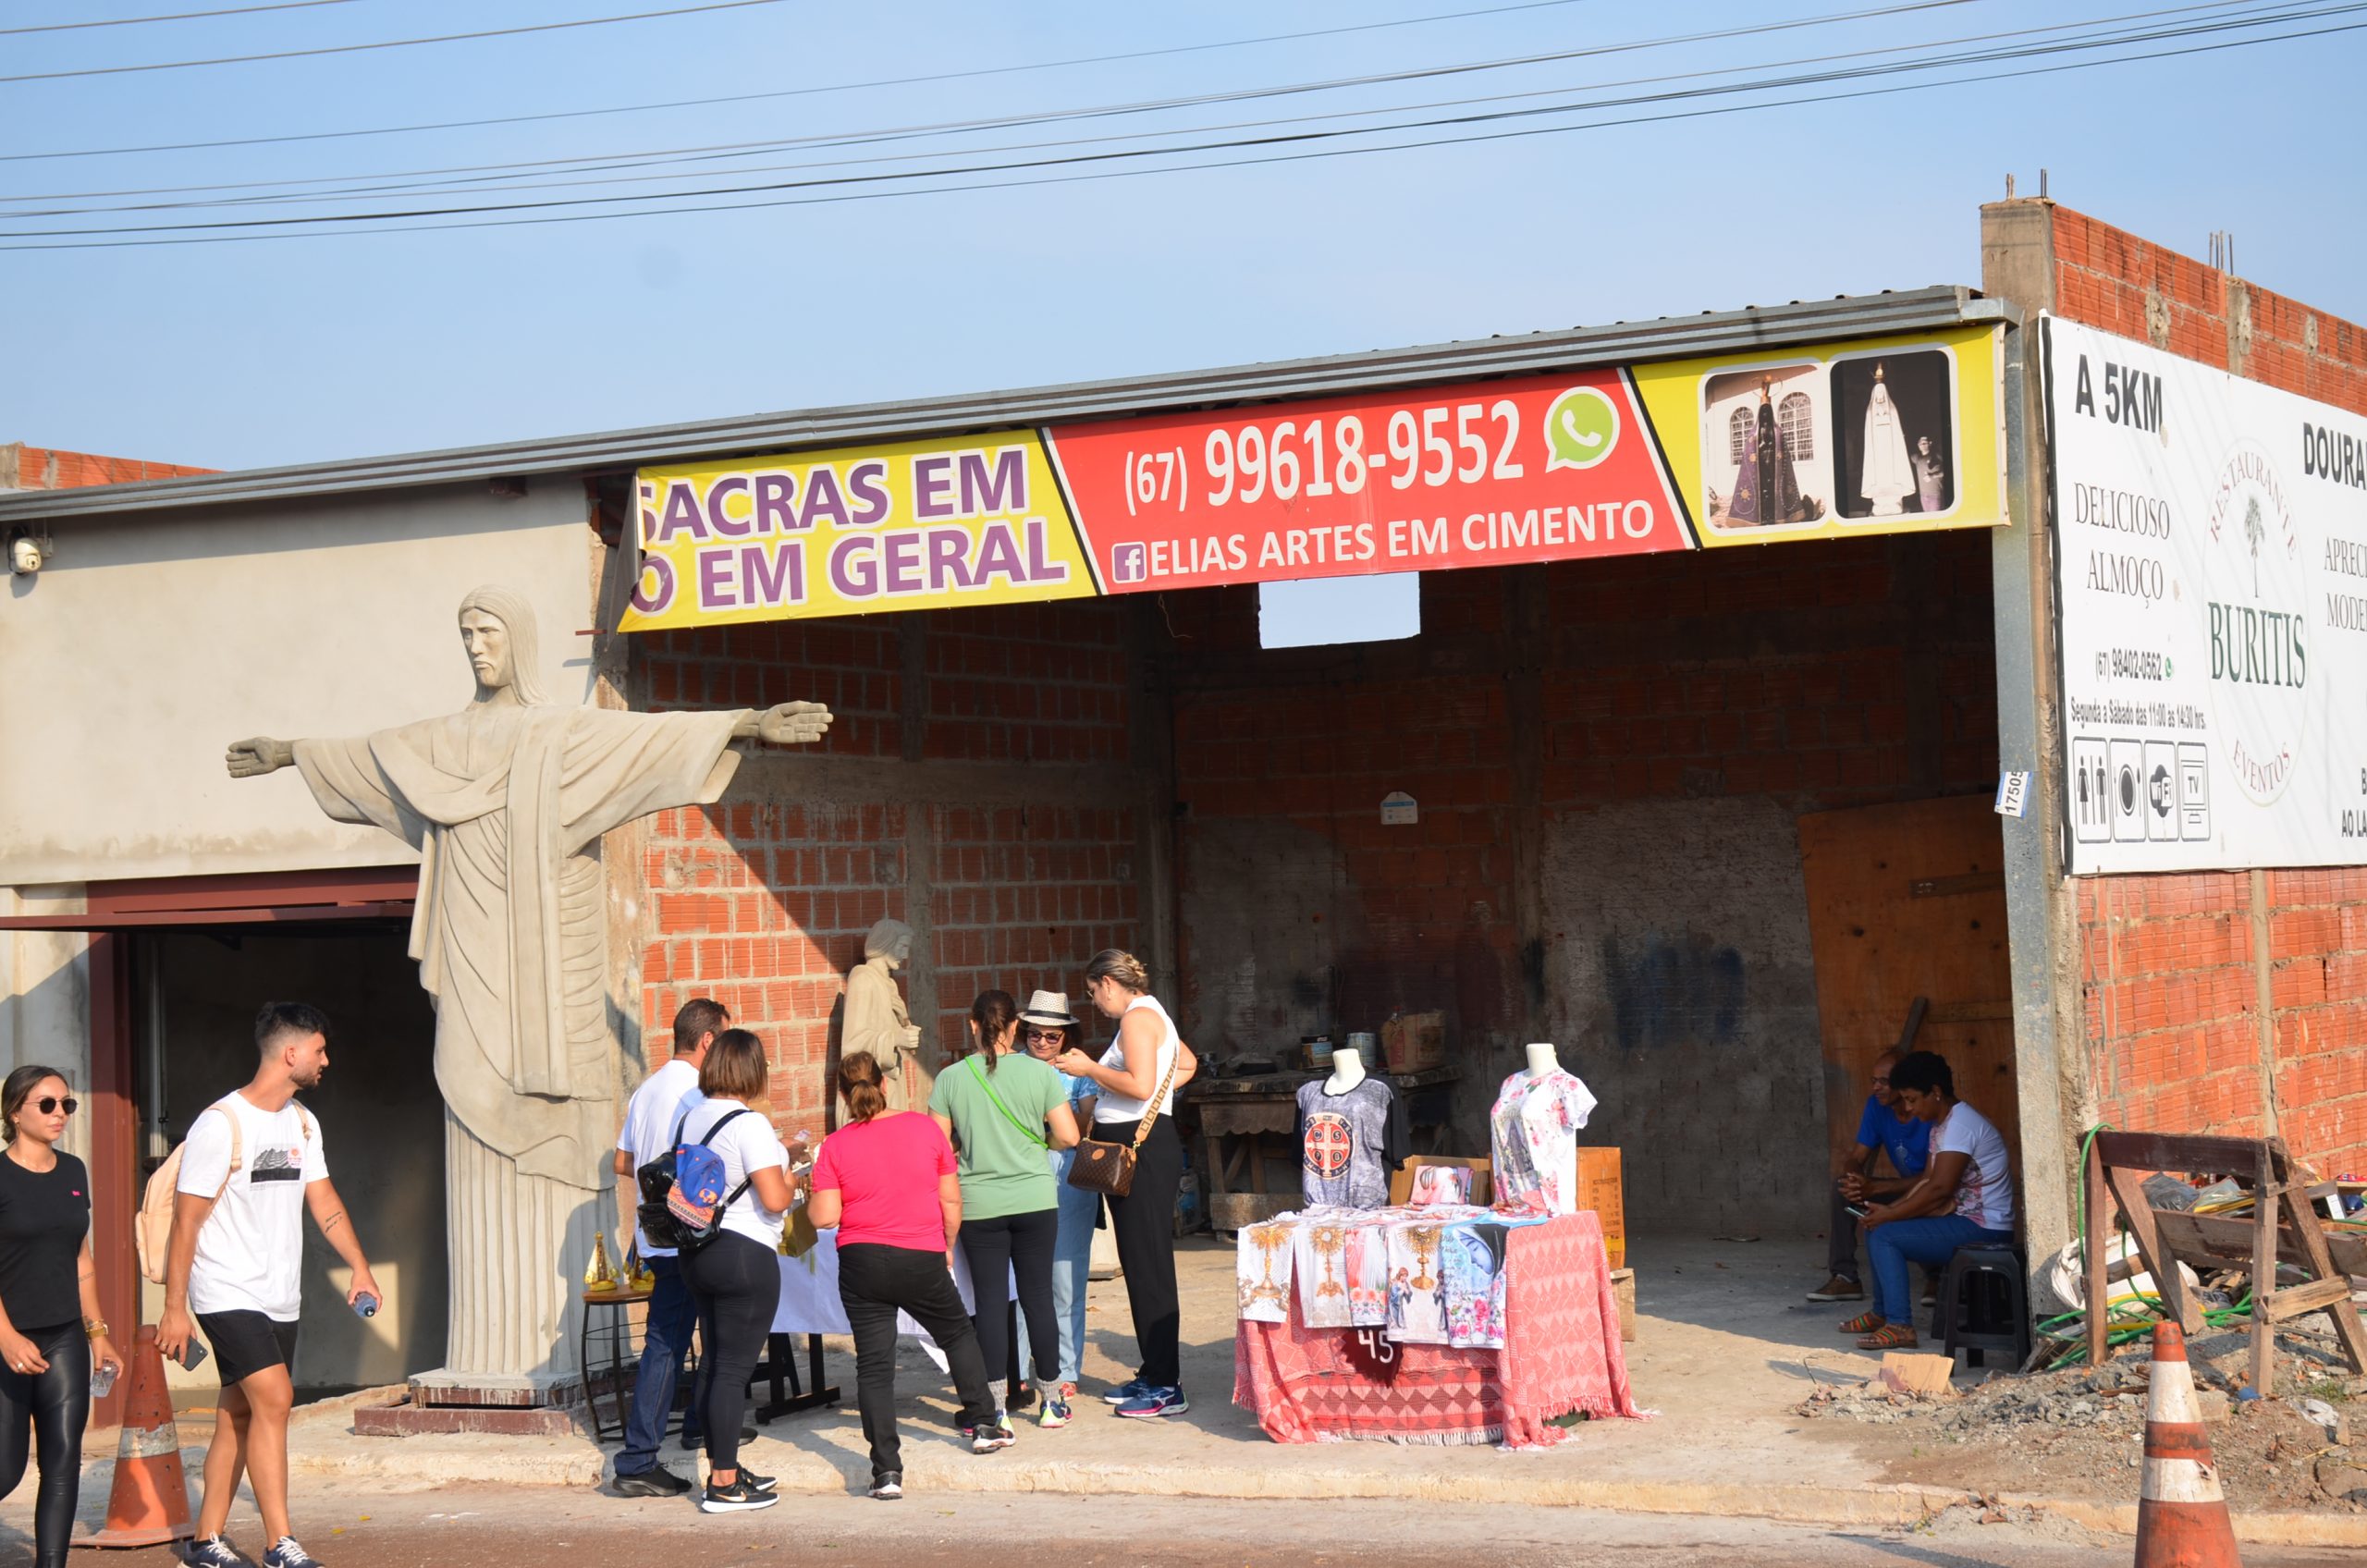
(260, 754)
(786, 724)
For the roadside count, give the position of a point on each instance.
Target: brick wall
(1001, 832)
(43, 468)
(1622, 759)
(2170, 987)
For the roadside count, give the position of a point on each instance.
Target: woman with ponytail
(51, 1335)
(887, 1181)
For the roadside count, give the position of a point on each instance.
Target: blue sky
(289, 350)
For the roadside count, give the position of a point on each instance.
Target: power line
(410, 215)
(173, 17)
(789, 93)
(1154, 105)
(2264, 13)
(387, 42)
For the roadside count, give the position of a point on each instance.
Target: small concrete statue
(505, 801)
(877, 1021)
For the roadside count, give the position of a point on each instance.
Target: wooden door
(1907, 901)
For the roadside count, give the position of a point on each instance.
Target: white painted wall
(149, 643)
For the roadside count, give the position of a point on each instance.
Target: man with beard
(252, 1165)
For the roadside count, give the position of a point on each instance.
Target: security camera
(24, 555)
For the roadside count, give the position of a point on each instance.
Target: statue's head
(497, 631)
(891, 939)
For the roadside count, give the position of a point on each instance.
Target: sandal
(1864, 1323)
(1889, 1336)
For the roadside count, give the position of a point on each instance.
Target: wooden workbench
(1238, 1116)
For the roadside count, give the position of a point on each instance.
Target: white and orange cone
(150, 1503)
(2181, 1513)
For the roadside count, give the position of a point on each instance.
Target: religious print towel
(1535, 1129)
(1365, 1263)
(1263, 1271)
(1350, 1142)
(1322, 1272)
(1440, 1184)
(1417, 1293)
(1474, 1275)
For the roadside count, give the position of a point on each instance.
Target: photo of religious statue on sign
(1764, 440)
(1894, 414)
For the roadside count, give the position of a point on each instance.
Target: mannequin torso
(1541, 1060)
(1347, 1071)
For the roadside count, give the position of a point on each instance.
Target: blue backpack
(692, 1178)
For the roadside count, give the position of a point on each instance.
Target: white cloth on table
(810, 1305)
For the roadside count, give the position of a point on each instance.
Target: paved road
(540, 1528)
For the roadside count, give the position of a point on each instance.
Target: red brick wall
(2170, 992)
(41, 468)
(762, 901)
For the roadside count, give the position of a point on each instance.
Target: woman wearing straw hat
(1047, 1027)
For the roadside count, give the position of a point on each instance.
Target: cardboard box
(1600, 1189)
(1414, 1041)
(1401, 1181)
(1623, 1288)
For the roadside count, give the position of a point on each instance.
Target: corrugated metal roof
(1667, 338)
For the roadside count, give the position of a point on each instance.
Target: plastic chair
(1984, 1304)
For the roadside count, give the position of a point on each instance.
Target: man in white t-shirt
(651, 1117)
(252, 1165)
(1965, 1197)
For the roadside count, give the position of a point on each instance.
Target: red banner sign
(1487, 474)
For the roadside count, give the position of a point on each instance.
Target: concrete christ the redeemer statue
(505, 801)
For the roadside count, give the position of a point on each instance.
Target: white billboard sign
(2211, 552)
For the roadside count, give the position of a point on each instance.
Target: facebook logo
(1129, 563)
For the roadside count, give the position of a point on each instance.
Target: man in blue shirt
(1882, 1129)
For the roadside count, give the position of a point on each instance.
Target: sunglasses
(49, 1103)
(1046, 1034)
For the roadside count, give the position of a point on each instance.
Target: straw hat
(1050, 1008)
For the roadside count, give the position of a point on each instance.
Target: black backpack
(661, 1209)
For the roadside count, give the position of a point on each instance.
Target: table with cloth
(1559, 1324)
(809, 1295)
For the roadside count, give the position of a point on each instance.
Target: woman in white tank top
(1147, 1061)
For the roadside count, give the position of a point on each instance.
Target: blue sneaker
(1155, 1402)
(1131, 1389)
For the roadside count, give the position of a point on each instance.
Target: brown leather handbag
(1108, 1168)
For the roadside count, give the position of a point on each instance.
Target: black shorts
(247, 1343)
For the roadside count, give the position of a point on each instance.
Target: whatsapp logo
(1580, 429)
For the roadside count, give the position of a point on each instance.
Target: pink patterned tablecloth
(1561, 1353)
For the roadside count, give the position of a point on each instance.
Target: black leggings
(1017, 1245)
(737, 1282)
(52, 1407)
(1143, 1224)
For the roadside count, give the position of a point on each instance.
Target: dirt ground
(2079, 1433)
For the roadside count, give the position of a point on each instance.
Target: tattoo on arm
(332, 1222)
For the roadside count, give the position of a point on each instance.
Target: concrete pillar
(2049, 1053)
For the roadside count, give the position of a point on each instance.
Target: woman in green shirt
(1003, 1109)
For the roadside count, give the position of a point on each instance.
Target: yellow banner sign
(973, 520)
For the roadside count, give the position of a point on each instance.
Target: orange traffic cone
(150, 1503)
(2181, 1514)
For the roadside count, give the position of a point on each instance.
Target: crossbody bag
(1108, 1168)
(985, 1082)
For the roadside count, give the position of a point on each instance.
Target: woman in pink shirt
(887, 1181)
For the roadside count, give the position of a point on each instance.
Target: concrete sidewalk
(1727, 1349)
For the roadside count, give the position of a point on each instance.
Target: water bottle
(103, 1380)
(365, 1305)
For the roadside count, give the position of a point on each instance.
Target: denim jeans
(1930, 1241)
(1072, 1266)
(664, 1339)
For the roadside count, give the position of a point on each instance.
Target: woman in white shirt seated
(1965, 1199)
(736, 1277)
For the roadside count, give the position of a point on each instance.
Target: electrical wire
(173, 17)
(174, 234)
(385, 43)
(277, 192)
(2038, 50)
(844, 87)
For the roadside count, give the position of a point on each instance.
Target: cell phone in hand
(1859, 1209)
(193, 1354)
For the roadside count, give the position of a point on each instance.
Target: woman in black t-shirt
(51, 1335)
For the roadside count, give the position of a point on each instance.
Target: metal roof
(1668, 337)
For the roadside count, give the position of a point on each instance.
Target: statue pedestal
(445, 1401)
